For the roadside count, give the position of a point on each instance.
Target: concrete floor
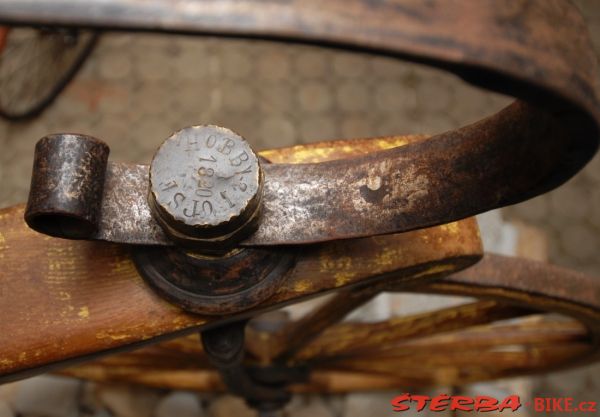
(137, 89)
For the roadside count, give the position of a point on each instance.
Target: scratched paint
(3, 245)
(64, 295)
(84, 313)
(340, 263)
(122, 264)
(343, 277)
(302, 286)
(387, 257)
(452, 228)
(6, 363)
(116, 337)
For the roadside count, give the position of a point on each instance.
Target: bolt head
(206, 186)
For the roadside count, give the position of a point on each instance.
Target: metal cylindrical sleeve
(66, 185)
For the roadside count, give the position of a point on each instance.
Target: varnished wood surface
(63, 300)
(348, 338)
(472, 354)
(300, 333)
(456, 345)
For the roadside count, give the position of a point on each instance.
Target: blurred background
(136, 89)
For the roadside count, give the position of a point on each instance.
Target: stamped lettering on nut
(204, 176)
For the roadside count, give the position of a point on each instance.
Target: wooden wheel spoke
(458, 366)
(349, 338)
(301, 332)
(175, 378)
(453, 346)
(284, 344)
(496, 335)
(517, 357)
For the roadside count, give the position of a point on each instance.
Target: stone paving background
(135, 90)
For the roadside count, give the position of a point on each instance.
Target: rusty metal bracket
(537, 51)
(205, 191)
(430, 182)
(540, 53)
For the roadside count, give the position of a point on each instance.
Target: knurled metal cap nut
(206, 185)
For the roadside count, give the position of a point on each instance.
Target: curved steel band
(531, 284)
(537, 51)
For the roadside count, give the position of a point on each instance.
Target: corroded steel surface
(64, 301)
(532, 284)
(66, 186)
(496, 162)
(206, 185)
(214, 285)
(537, 51)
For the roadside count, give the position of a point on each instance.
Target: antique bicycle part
(537, 51)
(36, 64)
(504, 333)
(92, 294)
(336, 363)
(337, 214)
